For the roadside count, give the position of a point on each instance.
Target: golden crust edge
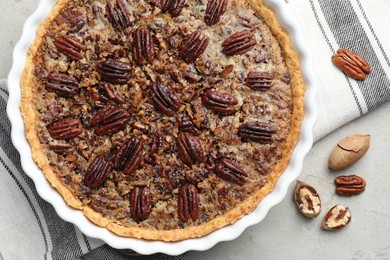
(28, 108)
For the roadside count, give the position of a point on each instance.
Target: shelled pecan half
(140, 203)
(259, 81)
(143, 46)
(239, 43)
(188, 203)
(221, 103)
(110, 120)
(231, 171)
(193, 46)
(69, 46)
(65, 129)
(118, 15)
(62, 84)
(174, 7)
(349, 185)
(97, 172)
(190, 149)
(129, 156)
(257, 132)
(164, 98)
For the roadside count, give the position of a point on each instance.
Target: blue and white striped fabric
(30, 228)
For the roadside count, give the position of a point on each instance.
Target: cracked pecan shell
(143, 46)
(214, 10)
(174, 7)
(188, 203)
(97, 172)
(114, 71)
(65, 129)
(230, 170)
(190, 149)
(62, 84)
(258, 132)
(140, 203)
(193, 46)
(259, 81)
(110, 120)
(221, 103)
(238, 43)
(69, 46)
(118, 15)
(129, 156)
(165, 99)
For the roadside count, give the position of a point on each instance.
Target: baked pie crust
(162, 120)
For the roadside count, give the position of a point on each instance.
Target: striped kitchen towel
(29, 226)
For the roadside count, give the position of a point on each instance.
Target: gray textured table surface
(285, 233)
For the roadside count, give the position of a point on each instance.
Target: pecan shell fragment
(114, 71)
(214, 10)
(238, 43)
(230, 170)
(65, 129)
(259, 81)
(307, 199)
(257, 132)
(190, 149)
(110, 120)
(62, 84)
(349, 185)
(336, 218)
(143, 46)
(188, 203)
(129, 156)
(118, 15)
(97, 172)
(221, 103)
(174, 7)
(351, 64)
(69, 46)
(165, 99)
(193, 46)
(140, 203)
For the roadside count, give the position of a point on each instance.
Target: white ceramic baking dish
(142, 246)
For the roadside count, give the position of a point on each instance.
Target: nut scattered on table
(349, 185)
(336, 218)
(348, 151)
(351, 64)
(307, 199)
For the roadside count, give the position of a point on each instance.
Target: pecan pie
(162, 119)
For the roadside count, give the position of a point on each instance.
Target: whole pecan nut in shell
(143, 46)
(65, 129)
(62, 84)
(193, 46)
(188, 203)
(349, 185)
(351, 64)
(114, 71)
(239, 43)
(259, 132)
(221, 103)
(140, 203)
(97, 172)
(190, 149)
(110, 120)
(231, 171)
(129, 156)
(69, 46)
(214, 10)
(118, 15)
(164, 98)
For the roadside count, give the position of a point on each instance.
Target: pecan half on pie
(162, 119)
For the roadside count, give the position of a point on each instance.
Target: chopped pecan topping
(188, 203)
(259, 81)
(349, 185)
(69, 46)
(143, 46)
(165, 99)
(190, 149)
(114, 71)
(97, 172)
(140, 203)
(351, 64)
(257, 132)
(193, 46)
(65, 129)
(221, 103)
(118, 15)
(238, 43)
(62, 84)
(110, 120)
(129, 156)
(173, 7)
(230, 170)
(214, 10)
